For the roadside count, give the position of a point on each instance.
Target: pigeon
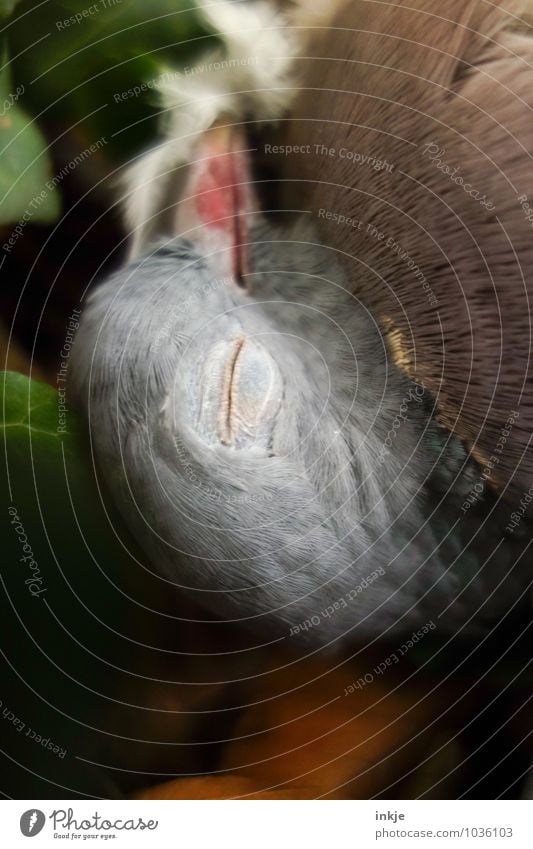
(246, 411)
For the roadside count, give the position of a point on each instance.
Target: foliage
(81, 72)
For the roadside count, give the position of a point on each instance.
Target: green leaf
(24, 161)
(50, 474)
(24, 169)
(29, 405)
(43, 450)
(46, 459)
(52, 488)
(6, 7)
(74, 74)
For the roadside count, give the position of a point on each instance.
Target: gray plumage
(270, 498)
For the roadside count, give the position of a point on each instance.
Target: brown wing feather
(386, 80)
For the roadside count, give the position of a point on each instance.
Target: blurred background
(77, 101)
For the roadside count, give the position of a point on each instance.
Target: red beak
(218, 200)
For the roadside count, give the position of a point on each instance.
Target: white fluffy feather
(248, 76)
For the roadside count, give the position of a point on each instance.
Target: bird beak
(218, 201)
